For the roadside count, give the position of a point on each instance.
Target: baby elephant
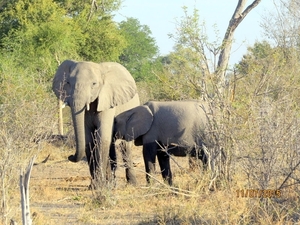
(178, 126)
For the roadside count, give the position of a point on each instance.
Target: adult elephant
(96, 93)
(178, 125)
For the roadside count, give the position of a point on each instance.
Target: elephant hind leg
(113, 158)
(203, 158)
(194, 163)
(164, 163)
(196, 155)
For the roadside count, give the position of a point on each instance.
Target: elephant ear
(139, 122)
(118, 86)
(61, 74)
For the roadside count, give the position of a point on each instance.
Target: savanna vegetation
(253, 117)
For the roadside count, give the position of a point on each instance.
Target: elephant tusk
(63, 105)
(88, 107)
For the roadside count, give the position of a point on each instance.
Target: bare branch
(236, 19)
(94, 4)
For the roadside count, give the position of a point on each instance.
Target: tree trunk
(236, 19)
(24, 188)
(60, 118)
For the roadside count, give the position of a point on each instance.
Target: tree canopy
(139, 55)
(45, 32)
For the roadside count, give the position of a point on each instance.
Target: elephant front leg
(97, 158)
(127, 159)
(149, 154)
(92, 155)
(103, 142)
(90, 149)
(164, 163)
(102, 167)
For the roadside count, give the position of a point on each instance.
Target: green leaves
(138, 56)
(102, 41)
(39, 34)
(36, 35)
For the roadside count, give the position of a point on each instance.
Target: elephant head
(88, 86)
(133, 123)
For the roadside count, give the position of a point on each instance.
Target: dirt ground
(59, 193)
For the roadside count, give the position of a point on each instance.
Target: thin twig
(288, 176)
(165, 149)
(170, 188)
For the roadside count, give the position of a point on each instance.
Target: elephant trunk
(79, 129)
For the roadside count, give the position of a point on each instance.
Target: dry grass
(59, 195)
